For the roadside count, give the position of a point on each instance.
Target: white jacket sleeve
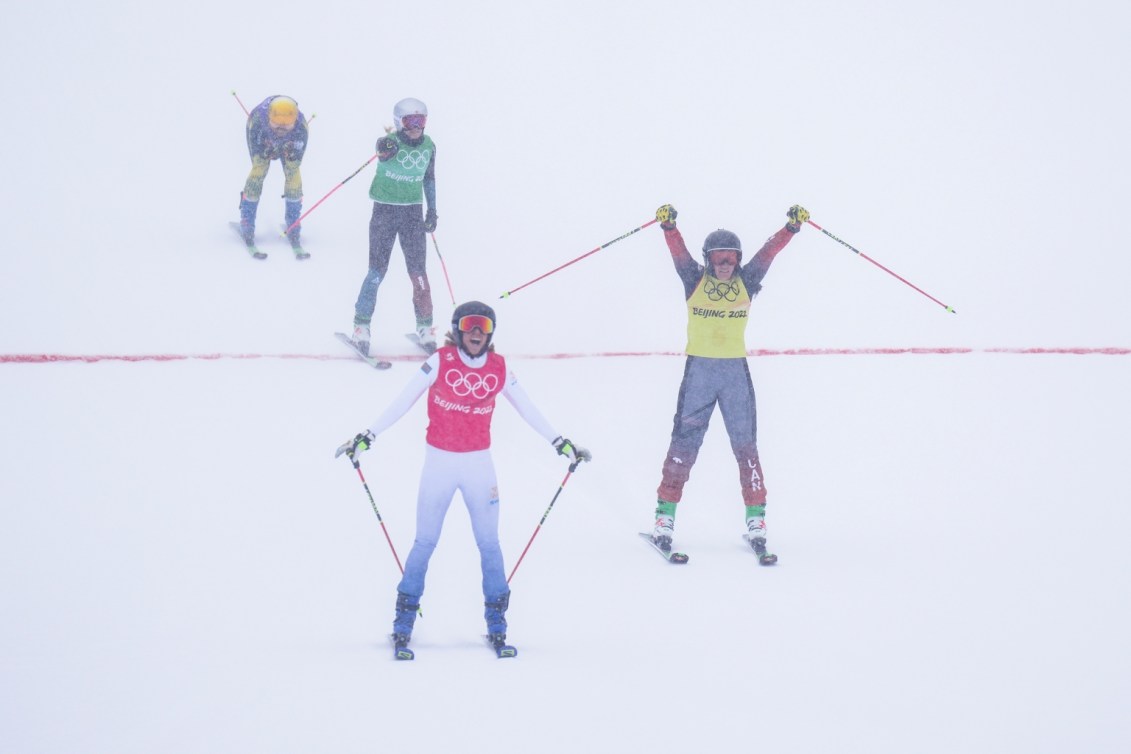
(411, 393)
(518, 398)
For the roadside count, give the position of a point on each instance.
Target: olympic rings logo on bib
(717, 291)
(414, 159)
(472, 384)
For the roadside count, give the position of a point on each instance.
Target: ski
(758, 545)
(300, 254)
(371, 361)
(428, 349)
(400, 649)
(251, 249)
(502, 649)
(679, 558)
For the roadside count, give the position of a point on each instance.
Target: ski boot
(426, 336)
(665, 525)
(248, 211)
(293, 212)
(400, 647)
(407, 608)
(361, 337)
(495, 614)
(498, 642)
(756, 534)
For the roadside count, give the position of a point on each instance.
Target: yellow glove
(798, 216)
(666, 216)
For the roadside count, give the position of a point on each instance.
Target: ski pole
(885, 269)
(444, 267)
(578, 259)
(357, 465)
(245, 112)
(351, 175)
(372, 502)
(538, 528)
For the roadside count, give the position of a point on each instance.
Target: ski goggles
(724, 256)
(411, 122)
(472, 321)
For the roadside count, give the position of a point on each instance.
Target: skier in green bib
(406, 177)
(718, 294)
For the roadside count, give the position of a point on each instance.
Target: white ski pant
(473, 476)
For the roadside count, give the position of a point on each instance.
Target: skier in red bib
(718, 294)
(462, 379)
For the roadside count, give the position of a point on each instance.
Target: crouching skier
(462, 379)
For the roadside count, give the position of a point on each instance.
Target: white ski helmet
(408, 106)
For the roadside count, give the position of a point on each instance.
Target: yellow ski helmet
(283, 111)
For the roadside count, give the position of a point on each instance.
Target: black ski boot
(407, 607)
(400, 647)
(498, 642)
(495, 614)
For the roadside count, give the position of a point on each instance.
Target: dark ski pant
(707, 382)
(387, 223)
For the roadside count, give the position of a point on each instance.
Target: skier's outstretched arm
(518, 398)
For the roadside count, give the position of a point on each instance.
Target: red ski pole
(357, 465)
(245, 112)
(331, 191)
(885, 269)
(372, 502)
(572, 468)
(578, 259)
(444, 267)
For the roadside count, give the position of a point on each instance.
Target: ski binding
(678, 558)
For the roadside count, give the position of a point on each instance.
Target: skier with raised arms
(718, 295)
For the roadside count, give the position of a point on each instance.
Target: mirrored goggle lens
(414, 121)
(472, 321)
(724, 257)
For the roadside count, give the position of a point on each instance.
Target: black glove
(798, 216)
(575, 453)
(666, 216)
(386, 147)
(356, 446)
(430, 220)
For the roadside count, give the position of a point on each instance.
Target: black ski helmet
(472, 307)
(721, 239)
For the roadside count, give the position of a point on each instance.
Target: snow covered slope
(185, 567)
